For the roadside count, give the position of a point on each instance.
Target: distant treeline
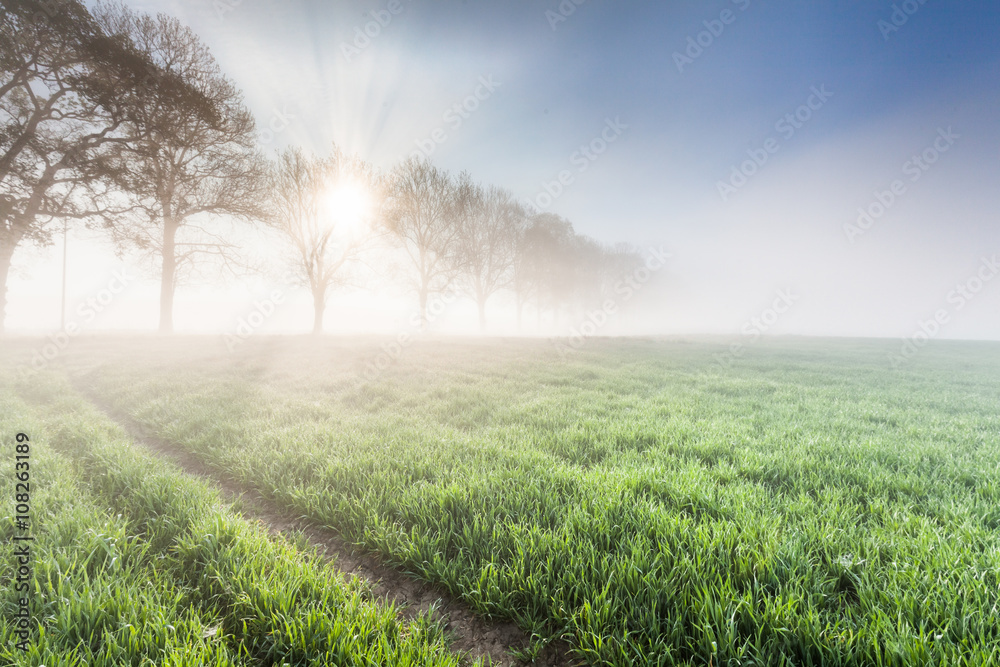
(124, 122)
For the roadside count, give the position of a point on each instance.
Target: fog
(809, 172)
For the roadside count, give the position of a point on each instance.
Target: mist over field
(456, 333)
(803, 149)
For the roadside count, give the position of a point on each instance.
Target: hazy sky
(743, 136)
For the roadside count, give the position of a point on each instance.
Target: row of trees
(344, 219)
(124, 121)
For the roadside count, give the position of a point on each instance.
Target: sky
(842, 158)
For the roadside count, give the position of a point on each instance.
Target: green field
(636, 503)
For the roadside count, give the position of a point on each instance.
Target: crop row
(138, 564)
(802, 513)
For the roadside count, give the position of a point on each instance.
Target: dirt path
(471, 635)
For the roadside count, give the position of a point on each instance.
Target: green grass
(804, 506)
(137, 564)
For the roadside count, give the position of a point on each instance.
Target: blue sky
(658, 183)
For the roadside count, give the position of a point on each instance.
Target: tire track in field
(470, 634)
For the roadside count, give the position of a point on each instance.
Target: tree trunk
(482, 315)
(6, 253)
(16, 228)
(319, 309)
(519, 308)
(168, 277)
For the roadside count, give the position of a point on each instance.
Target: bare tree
(325, 207)
(544, 270)
(586, 267)
(187, 172)
(423, 213)
(490, 228)
(66, 86)
(618, 260)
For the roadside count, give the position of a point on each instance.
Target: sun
(348, 206)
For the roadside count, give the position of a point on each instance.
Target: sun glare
(348, 206)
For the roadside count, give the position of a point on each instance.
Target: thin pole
(62, 320)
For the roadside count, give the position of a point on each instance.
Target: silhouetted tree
(491, 226)
(67, 85)
(188, 169)
(325, 207)
(423, 213)
(544, 267)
